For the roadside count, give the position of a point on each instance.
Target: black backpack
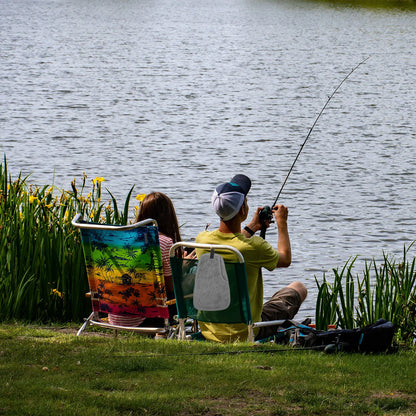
(374, 338)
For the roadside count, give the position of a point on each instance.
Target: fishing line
(266, 213)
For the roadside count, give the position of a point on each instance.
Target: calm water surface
(178, 96)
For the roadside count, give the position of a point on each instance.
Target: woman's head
(158, 206)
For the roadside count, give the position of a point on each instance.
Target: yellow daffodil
(57, 293)
(140, 197)
(98, 180)
(33, 199)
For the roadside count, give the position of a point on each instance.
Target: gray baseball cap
(228, 197)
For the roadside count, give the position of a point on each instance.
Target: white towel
(211, 291)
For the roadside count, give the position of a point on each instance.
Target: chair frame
(209, 247)
(94, 319)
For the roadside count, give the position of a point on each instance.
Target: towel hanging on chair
(212, 290)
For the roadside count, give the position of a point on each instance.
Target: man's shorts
(284, 304)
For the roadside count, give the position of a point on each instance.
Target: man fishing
(229, 201)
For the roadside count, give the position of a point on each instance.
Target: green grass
(49, 371)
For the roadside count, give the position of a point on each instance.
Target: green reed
(42, 273)
(335, 303)
(386, 290)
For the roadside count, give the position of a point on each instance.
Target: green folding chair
(125, 274)
(212, 290)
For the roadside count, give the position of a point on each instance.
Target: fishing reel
(266, 214)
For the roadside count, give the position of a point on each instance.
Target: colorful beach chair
(210, 289)
(125, 274)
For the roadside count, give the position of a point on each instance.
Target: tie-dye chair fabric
(125, 273)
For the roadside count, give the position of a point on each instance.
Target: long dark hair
(158, 206)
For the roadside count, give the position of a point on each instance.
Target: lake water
(178, 96)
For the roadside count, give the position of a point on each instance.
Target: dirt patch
(391, 395)
(253, 403)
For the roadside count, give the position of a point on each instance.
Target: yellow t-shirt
(257, 253)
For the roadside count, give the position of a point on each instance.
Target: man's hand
(280, 214)
(256, 223)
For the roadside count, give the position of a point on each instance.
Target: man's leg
(284, 304)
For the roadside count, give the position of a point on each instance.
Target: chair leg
(173, 333)
(181, 329)
(250, 337)
(85, 324)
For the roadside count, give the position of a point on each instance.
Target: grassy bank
(49, 371)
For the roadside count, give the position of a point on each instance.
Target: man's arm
(254, 225)
(283, 244)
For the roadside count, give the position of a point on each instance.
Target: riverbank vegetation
(42, 272)
(48, 371)
(385, 290)
(43, 278)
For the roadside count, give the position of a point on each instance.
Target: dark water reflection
(178, 96)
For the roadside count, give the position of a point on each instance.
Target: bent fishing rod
(266, 214)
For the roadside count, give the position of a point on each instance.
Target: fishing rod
(266, 214)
